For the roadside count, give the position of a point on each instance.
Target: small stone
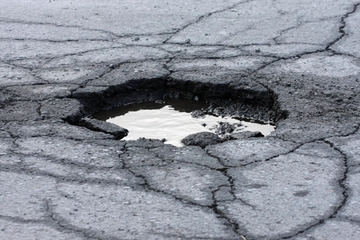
(102, 126)
(197, 114)
(201, 139)
(224, 128)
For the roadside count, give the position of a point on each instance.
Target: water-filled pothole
(134, 100)
(174, 119)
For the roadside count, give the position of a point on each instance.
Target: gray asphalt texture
(63, 181)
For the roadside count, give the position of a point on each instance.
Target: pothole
(170, 109)
(173, 119)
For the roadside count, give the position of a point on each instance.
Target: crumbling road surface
(61, 60)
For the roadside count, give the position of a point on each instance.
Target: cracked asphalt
(60, 180)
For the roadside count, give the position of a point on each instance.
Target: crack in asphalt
(4, 20)
(63, 224)
(212, 206)
(55, 41)
(341, 184)
(234, 225)
(148, 185)
(12, 168)
(343, 54)
(262, 160)
(23, 169)
(48, 222)
(199, 19)
(299, 24)
(22, 220)
(327, 48)
(343, 25)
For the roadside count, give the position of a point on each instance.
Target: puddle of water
(171, 120)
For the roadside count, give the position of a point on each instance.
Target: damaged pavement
(296, 63)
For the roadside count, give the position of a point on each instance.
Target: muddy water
(171, 120)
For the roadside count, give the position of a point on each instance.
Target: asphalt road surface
(61, 60)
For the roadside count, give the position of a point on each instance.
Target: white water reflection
(174, 125)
